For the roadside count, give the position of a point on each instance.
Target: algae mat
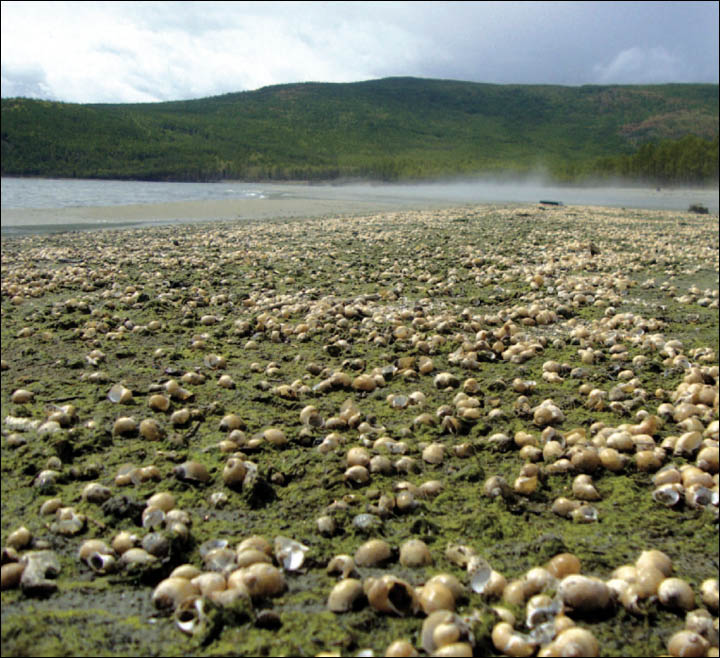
(430, 339)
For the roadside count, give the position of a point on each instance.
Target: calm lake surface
(45, 193)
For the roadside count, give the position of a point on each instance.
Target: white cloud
(144, 51)
(641, 65)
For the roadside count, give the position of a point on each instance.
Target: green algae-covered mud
(439, 349)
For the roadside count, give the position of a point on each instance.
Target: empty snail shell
(151, 430)
(261, 580)
(172, 591)
(687, 644)
(656, 559)
(234, 472)
(435, 596)
(346, 595)
(391, 595)
(19, 539)
(372, 553)
(510, 642)
(563, 564)
(415, 553)
(125, 425)
(676, 593)
(400, 649)
(192, 471)
(709, 594)
(573, 641)
(584, 594)
(443, 628)
(584, 489)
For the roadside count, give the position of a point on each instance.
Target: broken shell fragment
(290, 553)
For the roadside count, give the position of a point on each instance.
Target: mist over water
(67, 193)
(530, 191)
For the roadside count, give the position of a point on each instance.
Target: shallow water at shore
(50, 205)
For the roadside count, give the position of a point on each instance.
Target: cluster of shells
(395, 357)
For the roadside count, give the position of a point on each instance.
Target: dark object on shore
(698, 209)
(552, 203)
(594, 251)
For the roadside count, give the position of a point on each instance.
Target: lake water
(44, 193)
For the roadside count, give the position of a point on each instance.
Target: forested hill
(389, 129)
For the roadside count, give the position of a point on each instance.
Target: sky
(123, 52)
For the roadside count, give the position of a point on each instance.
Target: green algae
(513, 534)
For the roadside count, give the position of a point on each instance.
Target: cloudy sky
(155, 51)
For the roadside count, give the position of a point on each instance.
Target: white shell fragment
(290, 553)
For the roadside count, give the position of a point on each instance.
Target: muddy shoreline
(356, 311)
(41, 220)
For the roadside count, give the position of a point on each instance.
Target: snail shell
(508, 641)
(415, 553)
(373, 553)
(401, 649)
(435, 596)
(11, 575)
(455, 649)
(346, 595)
(676, 593)
(234, 472)
(209, 581)
(342, 564)
(574, 642)
(151, 430)
(451, 582)
(163, 500)
(171, 592)
(563, 564)
(709, 594)
(391, 595)
(93, 546)
(357, 475)
(22, 396)
(262, 580)
(255, 541)
(192, 471)
(124, 426)
(124, 541)
(231, 422)
(656, 559)
(687, 644)
(584, 594)
(275, 436)
(701, 622)
(19, 539)
(159, 402)
(94, 492)
(442, 620)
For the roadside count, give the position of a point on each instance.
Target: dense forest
(389, 129)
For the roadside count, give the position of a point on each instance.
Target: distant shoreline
(480, 178)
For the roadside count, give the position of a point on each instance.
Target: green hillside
(394, 128)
